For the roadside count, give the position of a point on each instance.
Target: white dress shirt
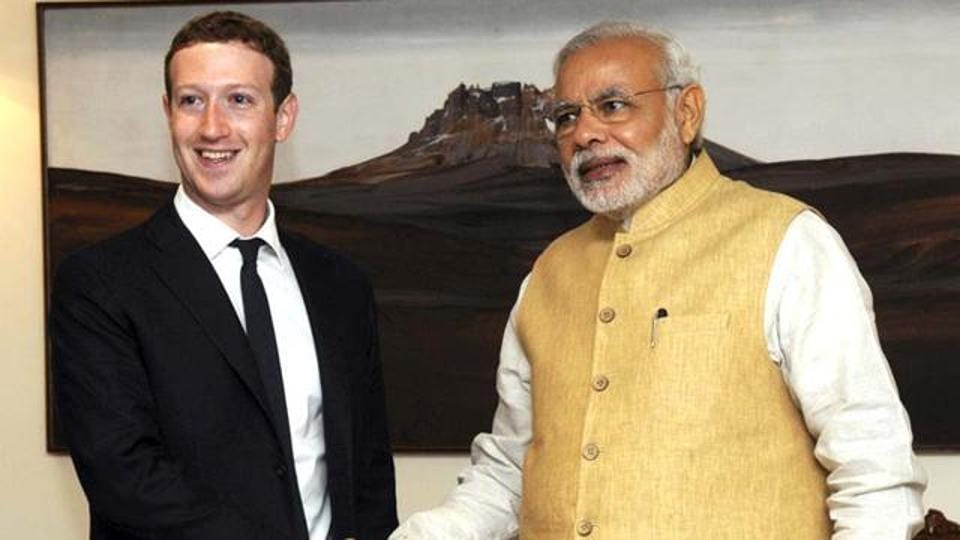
(820, 331)
(295, 344)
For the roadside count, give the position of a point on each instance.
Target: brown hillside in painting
(448, 225)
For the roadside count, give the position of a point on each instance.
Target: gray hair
(676, 68)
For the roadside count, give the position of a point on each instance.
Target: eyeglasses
(607, 109)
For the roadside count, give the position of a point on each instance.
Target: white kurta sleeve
(486, 502)
(820, 329)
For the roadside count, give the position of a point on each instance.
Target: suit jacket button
(280, 470)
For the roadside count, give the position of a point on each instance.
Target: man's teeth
(597, 165)
(213, 155)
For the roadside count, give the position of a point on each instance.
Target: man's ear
(287, 116)
(166, 106)
(689, 112)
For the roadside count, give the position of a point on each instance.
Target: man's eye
(612, 106)
(241, 99)
(188, 101)
(564, 118)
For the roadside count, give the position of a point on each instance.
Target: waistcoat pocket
(686, 375)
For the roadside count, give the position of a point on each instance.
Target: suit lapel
(182, 266)
(319, 292)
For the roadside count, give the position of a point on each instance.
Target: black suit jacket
(163, 407)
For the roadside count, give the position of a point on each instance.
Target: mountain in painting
(483, 167)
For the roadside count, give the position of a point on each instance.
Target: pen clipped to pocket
(660, 314)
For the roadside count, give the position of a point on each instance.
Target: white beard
(620, 195)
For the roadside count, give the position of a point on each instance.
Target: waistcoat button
(584, 528)
(624, 250)
(591, 452)
(607, 314)
(600, 383)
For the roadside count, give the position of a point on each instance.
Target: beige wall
(39, 495)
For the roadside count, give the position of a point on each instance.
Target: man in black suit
(217, 378)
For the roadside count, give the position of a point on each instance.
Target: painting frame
(910, 382)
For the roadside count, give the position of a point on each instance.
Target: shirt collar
(214, 235)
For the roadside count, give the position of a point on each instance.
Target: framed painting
(422, 154)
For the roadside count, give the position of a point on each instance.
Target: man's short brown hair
(227, 26)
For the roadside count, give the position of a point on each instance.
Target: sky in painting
(785, 79)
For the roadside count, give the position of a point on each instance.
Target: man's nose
(589, 130)
(215, 123)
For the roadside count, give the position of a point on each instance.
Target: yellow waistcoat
(657, 412)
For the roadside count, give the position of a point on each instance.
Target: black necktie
(260, 333)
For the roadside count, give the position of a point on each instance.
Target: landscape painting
(423, 155)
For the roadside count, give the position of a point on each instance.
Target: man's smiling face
(224, 125)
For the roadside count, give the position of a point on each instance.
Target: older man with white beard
(699, 360)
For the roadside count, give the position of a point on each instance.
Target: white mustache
(582, 157)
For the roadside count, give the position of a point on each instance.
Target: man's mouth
(215, 157)
(600, 168)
